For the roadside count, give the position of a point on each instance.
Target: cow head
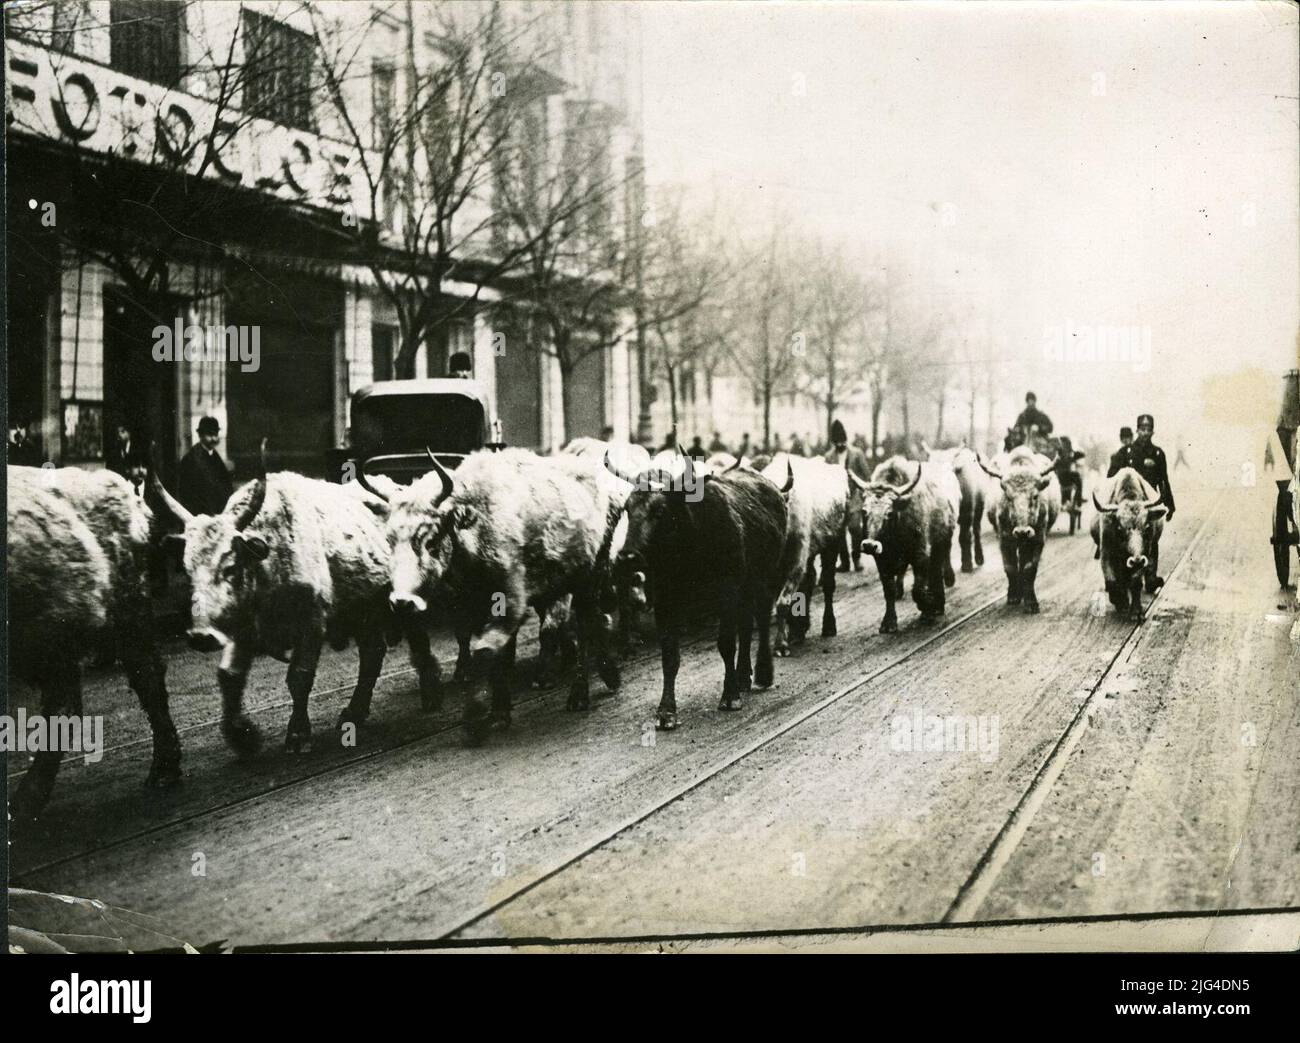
(1136, 522)
(226, 561)
(1021, 512)
(425, 523)
(880, 503)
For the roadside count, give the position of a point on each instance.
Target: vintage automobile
(1286, 513)
(396, 423)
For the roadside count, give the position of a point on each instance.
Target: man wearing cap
(1125, 440)
(205, 483)
(853, 459)
(1148, 459)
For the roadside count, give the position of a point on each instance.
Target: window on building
(382, 339)
(279, 65)
(144, 37)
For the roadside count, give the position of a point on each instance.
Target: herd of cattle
(595, 532)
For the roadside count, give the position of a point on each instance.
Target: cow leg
(1135, 596)
(745, 620)
(783, 628)
(240, 733)
(147, 676)
(463, 658)
(729, 612)
(801, 610)
(583, 611)
(370, 650)
(889, 586)
(602, 647)
(965, 536)
(426, 668)
(300, 678)
(828, 597)
(976, 525)
(855, 540)
(1028, 576)
(60, 693)
(670, 656)
(1154, 581)
(493, 654)
(758, 617)
(940, 570)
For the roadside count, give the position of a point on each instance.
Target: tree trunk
(672, 394)
(877, 401)
(938, 429)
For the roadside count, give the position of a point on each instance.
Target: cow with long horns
(290, 564)
(907, 520)
(508, 532)
(817, 510)
(77, 544)
(716, 538)
(1022, 514)
(1126, 531)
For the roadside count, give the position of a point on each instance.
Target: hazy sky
(1052, 166)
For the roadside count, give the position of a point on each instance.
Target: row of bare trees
(800, 315)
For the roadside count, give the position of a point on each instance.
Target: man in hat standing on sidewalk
(205, 482)
(1149, 460)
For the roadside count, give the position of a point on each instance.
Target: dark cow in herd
(1127, 532)
(712, 540)
(1022, 514)
(908, 519)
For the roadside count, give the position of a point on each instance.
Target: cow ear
(1156, 512)
(253, 545)
(1043, 483)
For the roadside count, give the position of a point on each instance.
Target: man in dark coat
(205, 483)
(855, 460)
(22, 450)
(1032, 417)
(1125, 440)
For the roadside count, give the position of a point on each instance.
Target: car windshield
(409, 423)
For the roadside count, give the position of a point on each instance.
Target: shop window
(381, 351)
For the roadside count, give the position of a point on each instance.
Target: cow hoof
(889, 626)
(1031, 608)
(476, 726)
(730, 702)
(242, 736)
(297, 742)
(499, 721)
(350, 716)
(1013, 599)
(430, 702)
(744, 683)
(610, 674)
(764, 675)
(163, 777)
(830, 629)
(578, 701)
(667, 722)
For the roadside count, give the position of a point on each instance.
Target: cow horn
(1101, 507)
(617, 472)
(1049, 468)
(448, 485)
(853, 477)
(987, 469)
(259, 492)
(169, 501)
(789, 477)
(364, 482)
(905, 492)
(735, 466)
(925, 448)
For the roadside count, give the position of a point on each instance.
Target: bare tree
(834, 361)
